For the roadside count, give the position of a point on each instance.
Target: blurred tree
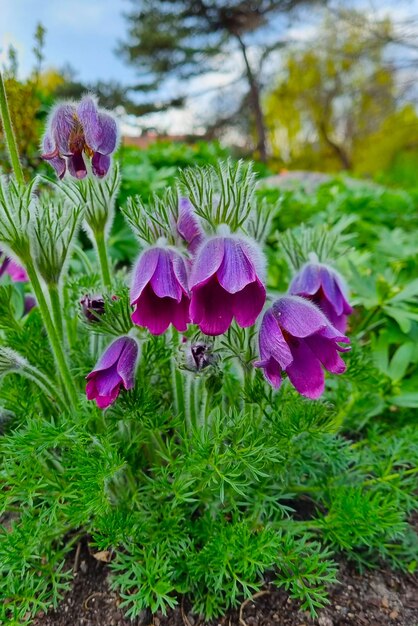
(333, 97)
(188, 38)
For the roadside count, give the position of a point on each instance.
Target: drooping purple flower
(296, 337)
(159, 290)
(78, 130)
(325, 287)
(225, 283)
(115, 369)
(16, 272)
(188, 225)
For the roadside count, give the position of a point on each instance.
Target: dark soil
(375, 598)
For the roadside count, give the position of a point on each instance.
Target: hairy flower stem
(56, 309)
(9, 134)
(177, 378)
(99, 237)
(53, 336)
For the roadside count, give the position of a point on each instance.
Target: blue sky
(83, 33)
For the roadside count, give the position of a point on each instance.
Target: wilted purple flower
(325, 287)
(296, 337)
(188, 225)
(225, 283)
(159, 290)
(115, 368)
(74, 129)
(16, 272)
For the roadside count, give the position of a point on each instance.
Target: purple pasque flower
(159, 290)
(325, 287)
(16, 272)
(78, 130)
(115, 369)
(296, 337)
(225, 283)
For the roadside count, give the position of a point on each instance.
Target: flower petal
(108, 133)
(298, 316)
(63, 122)
(271, 341)
(207, 261)
(236, 271)
(272, 371)
(16, 272)
(327, 353)
(126, 362)
(211, 307)
(307, 282)
(331, 289)
(143, 272)
(164, 281)
(153, 312)
(100, 164)
(109, 357)
(248, 303)
(305, 371)
(106, 380)
(180, 314)
(76, 165)
(180, 271)
(51, 155)
(88, 115)
(188, 225)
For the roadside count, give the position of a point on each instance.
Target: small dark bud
(201, 355)
(92, 307)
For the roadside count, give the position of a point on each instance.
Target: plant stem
(54, 339)
(177, 378)
(9, 134)
(56, 308)
(103, 258)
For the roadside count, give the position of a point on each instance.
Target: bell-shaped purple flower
(78, 130)
(115, 369)
(225, 283)
(296, 337)
(325, 287)
(159, 290)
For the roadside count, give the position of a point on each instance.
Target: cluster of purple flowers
(219, 279)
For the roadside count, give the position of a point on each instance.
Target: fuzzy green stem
(177, 378)
(9, 134)
(56, 309)
(54, 339)
(103, 258)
